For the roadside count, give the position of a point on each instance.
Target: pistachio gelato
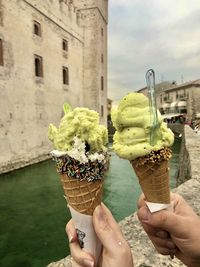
(83, 124)
(132, 120)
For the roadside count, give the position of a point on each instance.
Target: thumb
(165, 220)
(109, 234)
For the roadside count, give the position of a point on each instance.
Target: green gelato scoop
(82, 123)
(132, 121)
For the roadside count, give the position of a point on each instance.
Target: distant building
(159, 88)
(174, 100)
(51, 52)
(180, 99)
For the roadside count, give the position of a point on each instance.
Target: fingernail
(71, 239)
(88, 263)
(101, 216)
(170, 245)
(145, 215)
(162, 234)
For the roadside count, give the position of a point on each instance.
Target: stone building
(51, 52)
(180, 99)
(175, 100)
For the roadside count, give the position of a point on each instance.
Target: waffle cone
(154, 180)
(81, 195)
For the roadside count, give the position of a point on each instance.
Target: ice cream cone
(154, 180)
(143, 138)
(80, 153)
(81, 195)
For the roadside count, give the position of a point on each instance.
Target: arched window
(102, 59)
(38, 66)
(1, 52)
(37, 28)
(65, 75)
(102, 33)
(102, 111)
(102, 83)
(65, 45)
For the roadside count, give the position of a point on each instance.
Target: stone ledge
(25, 161)
(142, 249)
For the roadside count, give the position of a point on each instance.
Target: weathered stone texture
(28, 103)
(143, 251)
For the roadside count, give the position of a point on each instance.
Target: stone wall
(184, 172)
(28, 103)
(143, 251)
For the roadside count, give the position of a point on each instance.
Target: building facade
(175, 101)
(183, 99)
(51, 52)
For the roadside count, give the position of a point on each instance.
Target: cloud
(164, 35)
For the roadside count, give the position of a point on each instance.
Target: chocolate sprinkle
(155, 156)
(90, 171)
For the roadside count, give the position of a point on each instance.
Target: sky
(159, 34)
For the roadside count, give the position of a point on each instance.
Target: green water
(33, 212)
(33, 215)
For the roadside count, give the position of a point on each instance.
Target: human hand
(116, 251)
(173, 233)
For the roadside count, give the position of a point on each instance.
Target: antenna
(182, 79)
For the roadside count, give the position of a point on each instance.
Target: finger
(141, 201)
(155, 231)
(181, 206)
(162, 234)
(114, 225)
(165, 251)
(106, 230)
(80, 257)
(163, 243)
(71, 231)
(161, 238)
(164, 219)
(74, 264)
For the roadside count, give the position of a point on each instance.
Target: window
(1, 13)
(161, 99)
(65, 76)
(37, 28)
(101, 31)
(38, 66)
(65, 45)
(102, 111)
(102, 83)
(102, 59)
(1, 52)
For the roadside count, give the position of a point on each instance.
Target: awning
(171, 115)
(182, 104)
(197, 115)
(173, 104)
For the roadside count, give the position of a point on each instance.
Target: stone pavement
(143, 251)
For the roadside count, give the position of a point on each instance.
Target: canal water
(33, 211)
